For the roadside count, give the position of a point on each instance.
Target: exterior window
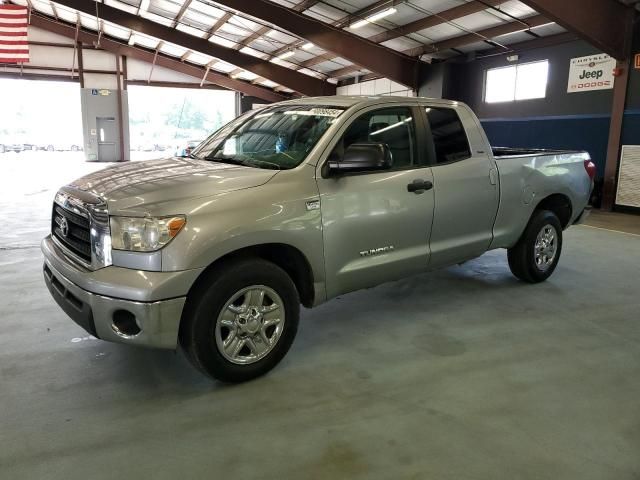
(393, 126)
(449, 138)
(517, 82)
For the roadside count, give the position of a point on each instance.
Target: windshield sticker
(316, 112)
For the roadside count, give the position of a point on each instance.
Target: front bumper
(95, 299)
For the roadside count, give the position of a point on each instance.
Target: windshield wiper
(231, 161)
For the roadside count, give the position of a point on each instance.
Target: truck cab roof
(351, 100)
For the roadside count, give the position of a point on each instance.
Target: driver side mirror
(363, 157)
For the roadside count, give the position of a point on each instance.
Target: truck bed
(507, 152)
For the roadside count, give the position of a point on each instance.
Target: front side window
(394, 127)
(277, 137)
(517, 82)
(449, 138)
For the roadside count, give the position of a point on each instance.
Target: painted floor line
(609, 230)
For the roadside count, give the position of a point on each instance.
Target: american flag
(14, 47)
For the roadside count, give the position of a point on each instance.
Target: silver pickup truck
(294, 204)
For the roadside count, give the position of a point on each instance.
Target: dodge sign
(594, 72)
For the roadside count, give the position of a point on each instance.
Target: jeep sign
(594, 72)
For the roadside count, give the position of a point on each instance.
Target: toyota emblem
(64, 227)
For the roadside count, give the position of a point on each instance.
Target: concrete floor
(461, 374)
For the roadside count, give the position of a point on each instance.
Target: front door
(375, 225)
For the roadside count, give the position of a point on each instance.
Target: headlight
(144, 234)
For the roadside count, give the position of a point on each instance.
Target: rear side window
(449, 138)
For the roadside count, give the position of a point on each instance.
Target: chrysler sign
(594, 72)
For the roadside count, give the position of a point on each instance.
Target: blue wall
(570, 132)
(561, 120)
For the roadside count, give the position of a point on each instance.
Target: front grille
(75, 235)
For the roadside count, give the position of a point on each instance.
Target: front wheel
(241, 320)
(534, 258)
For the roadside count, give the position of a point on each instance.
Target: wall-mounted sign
(94, 131)
(94, 91)
(104, 92)
(637, 61)
(594, 72)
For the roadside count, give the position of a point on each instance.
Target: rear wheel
(535, 257)
(241, 320)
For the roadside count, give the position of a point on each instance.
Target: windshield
(277, 137)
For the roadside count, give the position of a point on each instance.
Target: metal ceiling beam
(219, 23)
(382, 60)
(296, 81)
(486, 34)
(462, 40)
(436, 19)
(300, 7)
(542, 42)
(378, 6)
(181, 12)
(247, 40)
(427, 22)
(606, 24)
(162, 60)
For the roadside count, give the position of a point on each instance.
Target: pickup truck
(295, 204)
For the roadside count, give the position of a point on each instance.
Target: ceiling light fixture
(307, 46)
(373, 18)
(286, 54)
(144, 5)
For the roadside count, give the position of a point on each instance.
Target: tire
(212, 319)
(531, 263)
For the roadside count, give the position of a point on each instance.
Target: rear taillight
(590, 167)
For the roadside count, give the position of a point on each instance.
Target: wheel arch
(560, 205)
(287, 257)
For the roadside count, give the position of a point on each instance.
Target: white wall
(63, 58)
(380, 86)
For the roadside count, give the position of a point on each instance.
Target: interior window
(449, 138)
(393, 126)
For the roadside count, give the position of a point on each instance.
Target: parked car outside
(185, 149)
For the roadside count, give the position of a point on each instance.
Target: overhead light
(406, 120)
(286, 54)
(373, 18)
(144, 5)
(307, 46)
(235, 75)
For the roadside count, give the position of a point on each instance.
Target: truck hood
(144, 187)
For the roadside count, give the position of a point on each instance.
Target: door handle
(419, 186)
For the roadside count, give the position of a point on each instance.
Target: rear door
(374, 228)
(465, 185)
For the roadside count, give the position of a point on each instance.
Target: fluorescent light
(307, 46)
(406, 120)
(358, 24)
(373, 18)
(144, 5)
(286, 54)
